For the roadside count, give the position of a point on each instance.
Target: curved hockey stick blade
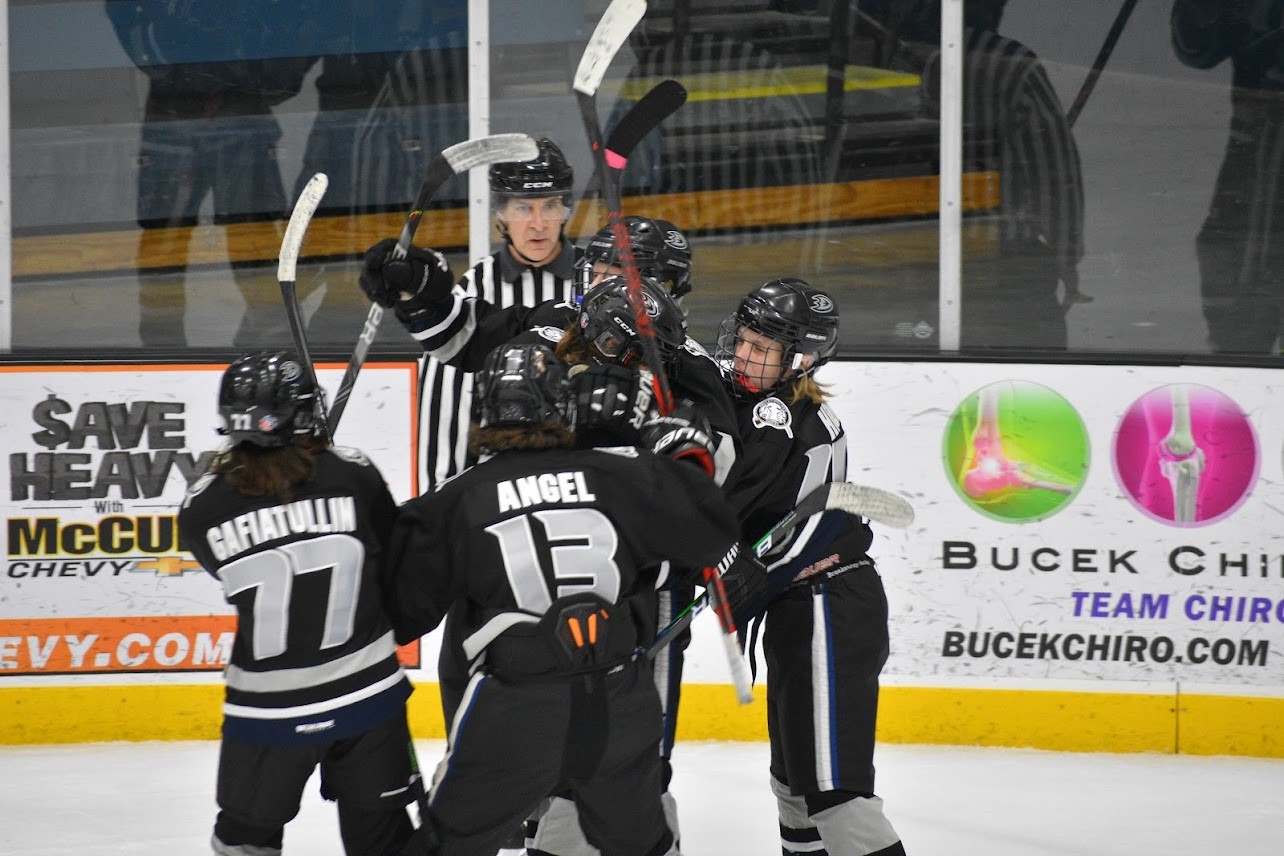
(300, 217)
(453, 160)
(608, 37)
(286, 271)
(877, 505)
(661, 102)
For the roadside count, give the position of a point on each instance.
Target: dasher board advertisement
(98, 459)
(1073, 522)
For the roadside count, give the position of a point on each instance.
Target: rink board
(1095, 565)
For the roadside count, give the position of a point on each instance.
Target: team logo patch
(268, 423)
(675, 239)
(290, 370)
(772, 413)
(822, 303)
(553, 334)
(648, 303)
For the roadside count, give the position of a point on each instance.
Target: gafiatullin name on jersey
(306, 516)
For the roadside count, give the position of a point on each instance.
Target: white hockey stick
(871, 503)
(453, 161)
(287, 263)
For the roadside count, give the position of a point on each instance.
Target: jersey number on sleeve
(272, 572)
(581, 547)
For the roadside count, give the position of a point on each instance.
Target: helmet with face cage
(520, 384)
(802, 319)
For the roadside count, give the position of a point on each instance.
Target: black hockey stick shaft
(1103, 56)
(452, 161)
(812, 503)
(286, 273)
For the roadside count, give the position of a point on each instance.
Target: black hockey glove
(611, 404)
(410, 285)
(744, 576)
(683, 435)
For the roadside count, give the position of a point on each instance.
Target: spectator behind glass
(1241, 245)
(208, 131)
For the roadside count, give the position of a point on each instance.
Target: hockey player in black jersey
(826, 637)
(295, 530)
(544, 544)
(596, 329)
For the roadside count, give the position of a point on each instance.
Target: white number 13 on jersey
(581, 546)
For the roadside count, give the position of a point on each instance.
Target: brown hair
(277, 471)
(489, 441)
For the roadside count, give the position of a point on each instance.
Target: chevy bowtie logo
(167, 566)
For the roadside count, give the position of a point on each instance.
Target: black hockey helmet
(661, 250)
(609, 326)
(548, 174)
(267, 398)
(802, 318)
(520, 384)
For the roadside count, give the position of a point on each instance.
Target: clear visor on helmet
(617, 347)
(550, 210)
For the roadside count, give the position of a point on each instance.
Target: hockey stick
(287, 262)
(617, 22)
(457, 159)
(876, 505)
(658, 104)
(1099, 63)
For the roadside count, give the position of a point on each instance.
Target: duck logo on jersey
(772, 413)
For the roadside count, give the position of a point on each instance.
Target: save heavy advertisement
(98, 459)
(1076, 522)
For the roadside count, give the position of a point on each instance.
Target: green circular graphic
(1016, 451)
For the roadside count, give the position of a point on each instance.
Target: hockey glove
(683, 435)
(410, 285)
(744, 576)
(611, 404)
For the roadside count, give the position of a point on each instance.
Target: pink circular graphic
(1186, 455)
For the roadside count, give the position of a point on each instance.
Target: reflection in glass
(1241, 245)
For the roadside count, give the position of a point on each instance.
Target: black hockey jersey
(524, 530)
(787, 451)
(313, 657)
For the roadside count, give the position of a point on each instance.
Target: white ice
(157, 799)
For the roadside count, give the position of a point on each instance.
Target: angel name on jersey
(545, 488)
(303, 517)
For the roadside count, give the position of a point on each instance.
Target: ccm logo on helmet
(536, 185)
(821, 303)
